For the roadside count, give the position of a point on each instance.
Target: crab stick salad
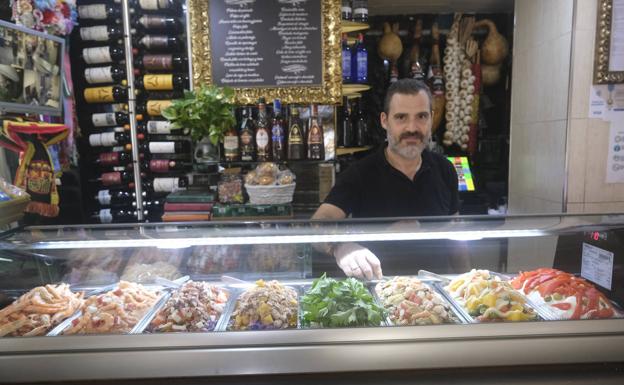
(488, 298)
(568, 296)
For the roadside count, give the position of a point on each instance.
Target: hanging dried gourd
(494, 50)
(390, 47)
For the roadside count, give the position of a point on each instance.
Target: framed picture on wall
(609, 52)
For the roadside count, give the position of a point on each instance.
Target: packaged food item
(409, 301)
(230, 189)
(333, 303)
(266, 305)
(566, 295)
(116, 311)
(195, 307)
(146, 273)
(211, 259)
(39, 311)
(488, 298)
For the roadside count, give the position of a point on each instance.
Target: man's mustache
(408, 135)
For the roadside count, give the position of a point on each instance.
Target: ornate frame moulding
(330, 90)
(609, 52)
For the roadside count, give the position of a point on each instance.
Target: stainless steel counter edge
(270, 359)
(260, 339)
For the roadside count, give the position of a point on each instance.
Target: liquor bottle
(105, 119)
(296, 146)
(231, 145)
(346, 60)
(107, 74)
(103, 54)
(111, 215)
(106, 94)
(160, 127)
(160, 62)
(163, 166)
(346, 10)
(162, 82)
(165, 147)
(113, 158)
(346, 135)
(263, 138)
(152, 107)
(100, 33)
(99, 12)
(278, 133)
(164, 23)
(359, 61)
(108, 197)
(248, 145)
(360, 11)
(361, 126)
(157, 42)
(316, 144)
(166, 184)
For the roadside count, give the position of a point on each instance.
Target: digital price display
(464, 175)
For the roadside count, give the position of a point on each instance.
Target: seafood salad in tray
(39, 310)
(410, 301)
(265, 305)
(485, 297)
(565, 295)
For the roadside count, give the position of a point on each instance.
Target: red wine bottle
(113, 158)
(117, 196)
(100, 33)
(107, 74)
(111, 215)
(154, 22)
(159, 62)
(163, 166)
(104, 54)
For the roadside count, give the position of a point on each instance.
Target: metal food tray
(60, 328)
(461, 318)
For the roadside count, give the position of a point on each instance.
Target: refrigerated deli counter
(147, 301)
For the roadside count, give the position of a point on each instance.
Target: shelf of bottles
(112, 118)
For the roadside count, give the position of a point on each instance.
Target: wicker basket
(269, 195)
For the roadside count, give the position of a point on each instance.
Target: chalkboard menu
(266, 43)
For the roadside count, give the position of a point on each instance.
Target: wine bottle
(296, 146)
(164, 23)
(278, 132)
(346, 60)
(361, 126)
(103, 54)
(346, 10)
(105, 94)
(107, 74)
(156, 5)
(108, 197)
(100, 33)
(162, 166)
(231, 145)
(160, 127)
(160, 62)
(360, 11)
(359, 62)
(248, 145)
(158, 42)
(152, 107)
(111, 215)
(166, 184)
(113, 158)
(315, 140)
(166, 147)
(162, 82)
(263, 139)
(104, 119)
(109, 139)
(346, 135)
(114, 178)
(99, 12)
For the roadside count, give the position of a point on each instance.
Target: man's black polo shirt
(371, 187)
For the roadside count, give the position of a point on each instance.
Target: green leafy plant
(206, 111)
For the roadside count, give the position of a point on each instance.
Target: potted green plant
(207, 113)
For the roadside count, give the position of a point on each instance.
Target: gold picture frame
(330, 90)
(604, 71)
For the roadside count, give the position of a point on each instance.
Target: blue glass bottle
(359, 61)
(346, 60)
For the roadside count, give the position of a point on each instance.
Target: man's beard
(411, 151)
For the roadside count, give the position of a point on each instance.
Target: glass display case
(241, 298)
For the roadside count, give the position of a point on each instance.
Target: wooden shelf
(354, 90)
(347, 26)
(351, 150)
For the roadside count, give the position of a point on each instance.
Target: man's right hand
(357, 261)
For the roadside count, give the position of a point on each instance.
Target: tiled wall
(541, 78)
(588, 138)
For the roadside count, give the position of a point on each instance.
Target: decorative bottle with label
(160, 62)
(104, 54)
(152, 107)
(157, 42)
(160, 127)
(162, 82)
(296, 146)
(231, 145)
(278, 132)
(359, 62)
(315, 140)
(154, 22)
(102, 11)
(166, 147)
(263, 137)
(247, 133)
(106, 74)
(100, 33)
(106, 94)
(346, 60)
(106, 119)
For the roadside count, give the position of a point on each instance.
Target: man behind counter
(402, 178)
